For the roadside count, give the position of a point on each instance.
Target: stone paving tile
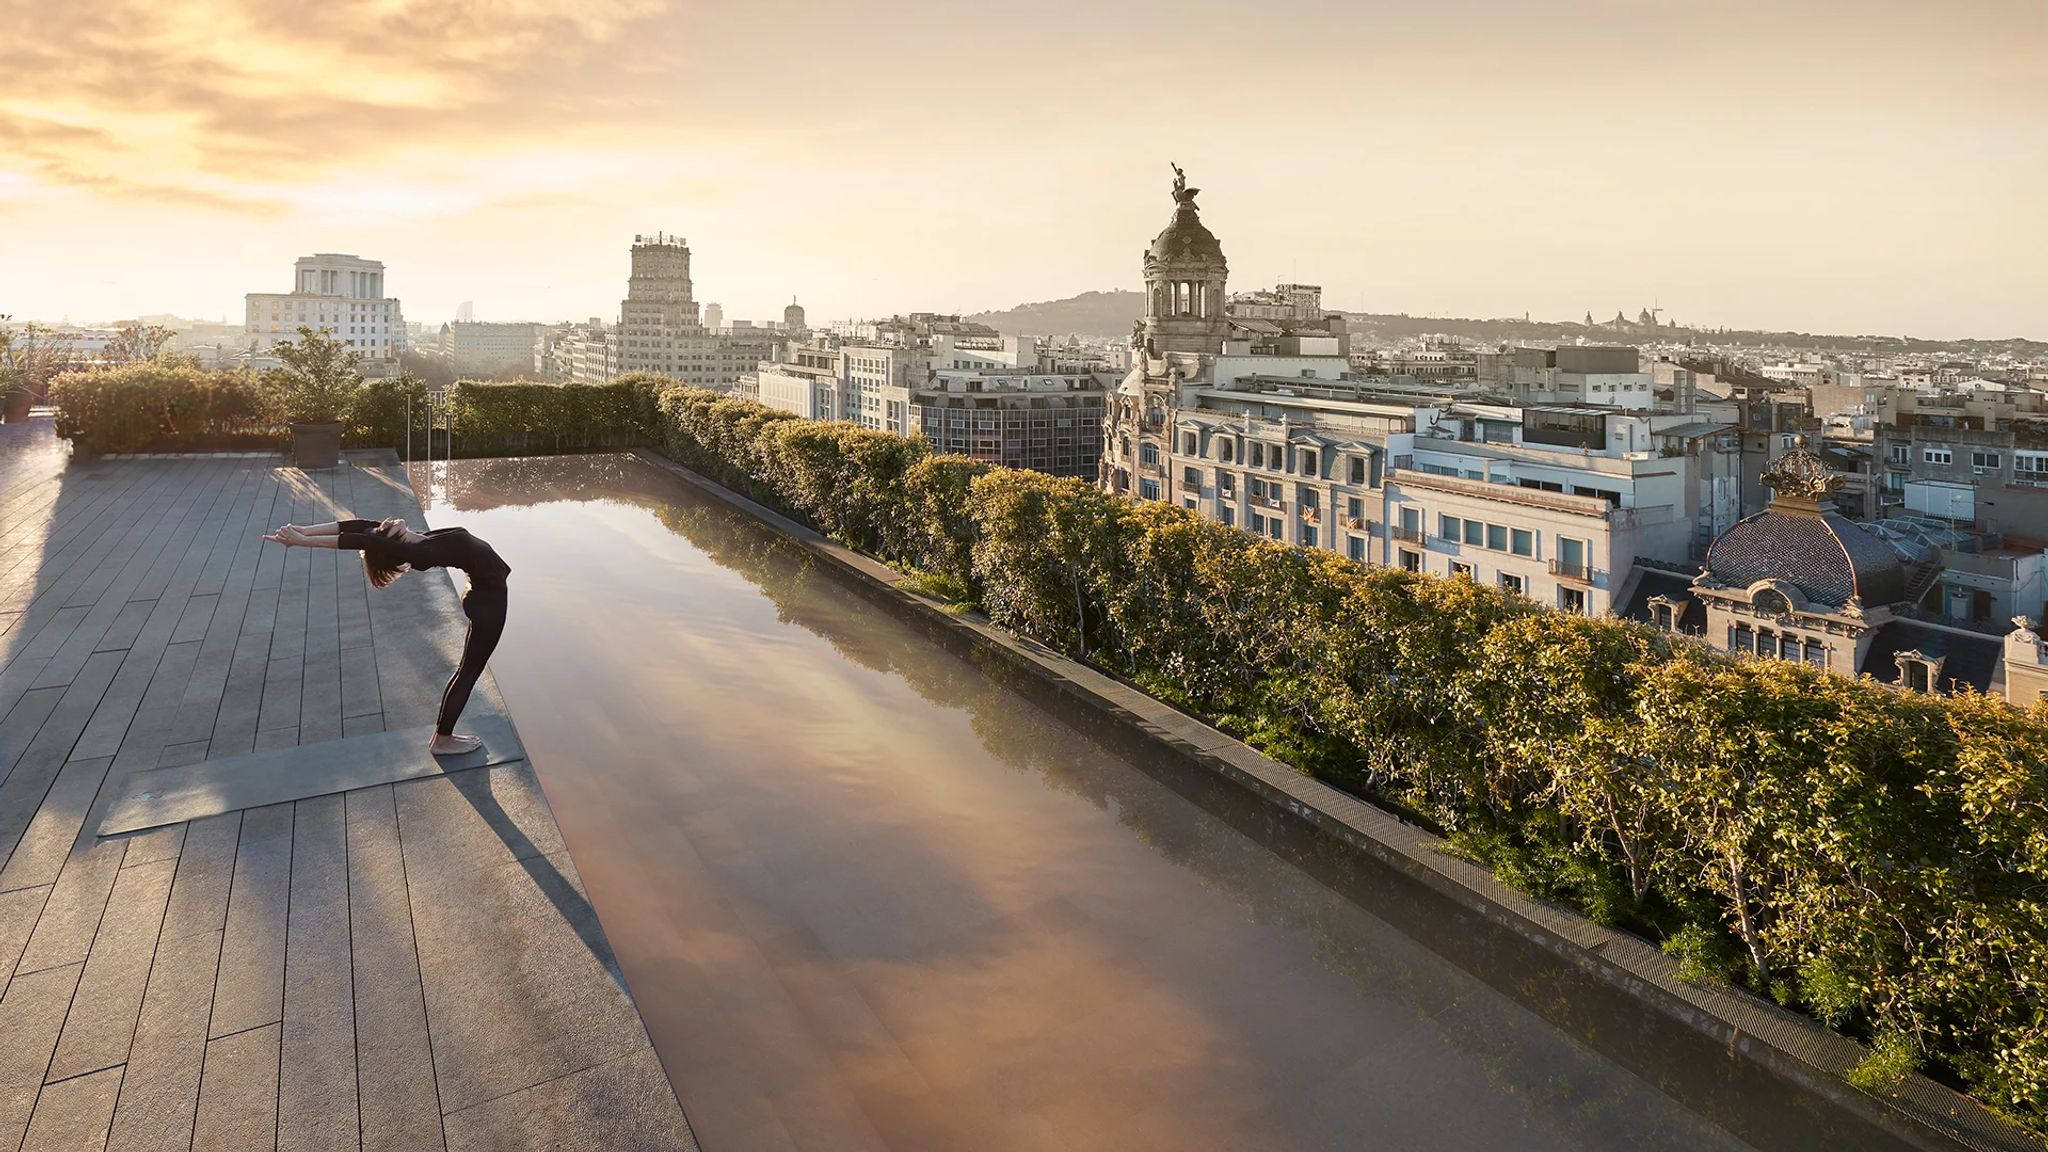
(74, 1116)
(621, 1097)
(206, 863)
(238, 1093)
(103, 1010)
(71, 917)
(317, 1087)
(31, 1014)
(251, 987)
(46, 843)
(161, 1091)
(18, 912)
(395, 1064)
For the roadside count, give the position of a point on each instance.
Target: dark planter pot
(14, 408)
(316, 446)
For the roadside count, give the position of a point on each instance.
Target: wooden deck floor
(401, 966)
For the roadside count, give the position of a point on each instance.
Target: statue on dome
(1801, 474)
(1182, 194)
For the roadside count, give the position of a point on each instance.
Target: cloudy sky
(1847, 165)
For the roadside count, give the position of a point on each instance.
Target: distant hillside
(1104, 314)
(1111, 314)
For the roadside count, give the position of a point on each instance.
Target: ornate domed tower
(1184, 278)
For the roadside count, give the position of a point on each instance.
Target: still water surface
(868, 899)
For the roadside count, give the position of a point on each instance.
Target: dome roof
(1185, 238)
(1827, 557)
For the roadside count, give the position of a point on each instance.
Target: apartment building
(338, 294)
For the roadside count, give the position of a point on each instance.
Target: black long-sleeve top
(442, 548)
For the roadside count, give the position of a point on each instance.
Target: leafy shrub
(158, 404)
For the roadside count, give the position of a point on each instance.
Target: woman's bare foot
(453, 745)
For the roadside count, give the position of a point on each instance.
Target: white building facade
(340, 295)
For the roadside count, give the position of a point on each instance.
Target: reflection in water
(868, 897)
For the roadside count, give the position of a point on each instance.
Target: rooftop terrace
(240, 907)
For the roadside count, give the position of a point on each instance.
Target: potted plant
(313, 392)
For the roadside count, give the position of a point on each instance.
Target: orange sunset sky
(1852, 166)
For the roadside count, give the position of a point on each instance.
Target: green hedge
(162, 406)
(1877, 858)
(491, 419)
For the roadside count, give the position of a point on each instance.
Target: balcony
(1577, 573)
(1354, 522)
(1311, 516)
(1411, 535)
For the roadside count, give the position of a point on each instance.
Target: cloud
(231, 103)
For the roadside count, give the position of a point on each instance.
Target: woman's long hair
(380, 564)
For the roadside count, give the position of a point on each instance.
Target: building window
(1148, 454)
(1148, 489)
(1189, 444)
(1308, 463)
(1475, 532)
(1509, 582)
(1464, 570)
(1226, 450)
(1937, 456)
(1411, 561)
(1664, 618)
(1255, 455)
(1308, 536)
(1192, 477)
(1497, 537)
(1816, 654)
(1788, 648)
(1917, 671)
(1572, 600)
(1358, 469)
(1256, 521)
(1354, 547)
(1742, 638)
(1450, 528)
(1524, 542)
(1982, 462)
(1226, 514)
(1188, 503)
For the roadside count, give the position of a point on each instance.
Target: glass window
(1354, 508)
(1572, 600)
(1816, 655)
(1475, 533)
(1227, 515)
(1788, 647)
(1511, 583)
(1524, 542)
(1411, 561)
(1354, 547)
(1308, 536)
(1450, 528)
(1464, 570)
(1308, 462)
(1358, 469)
(1411, 519)
(1497, 537)
(1742, 639)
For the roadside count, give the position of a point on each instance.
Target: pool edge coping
(1781, 1043)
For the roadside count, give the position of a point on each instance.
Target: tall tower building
(1184, 280)
(793, 316)
(659, 330)
(714, 317)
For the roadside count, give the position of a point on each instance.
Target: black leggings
(485, 607)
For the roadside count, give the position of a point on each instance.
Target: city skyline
(1742, 166)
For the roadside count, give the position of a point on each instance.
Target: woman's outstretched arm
(291, 535)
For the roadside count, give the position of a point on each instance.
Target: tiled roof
(1971, 660)
(1692, 620)
(1828, 557)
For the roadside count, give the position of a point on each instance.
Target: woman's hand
(288, 535)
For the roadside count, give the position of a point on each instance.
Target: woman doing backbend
(389, 549)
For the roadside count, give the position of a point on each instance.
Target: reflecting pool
(866, 897)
